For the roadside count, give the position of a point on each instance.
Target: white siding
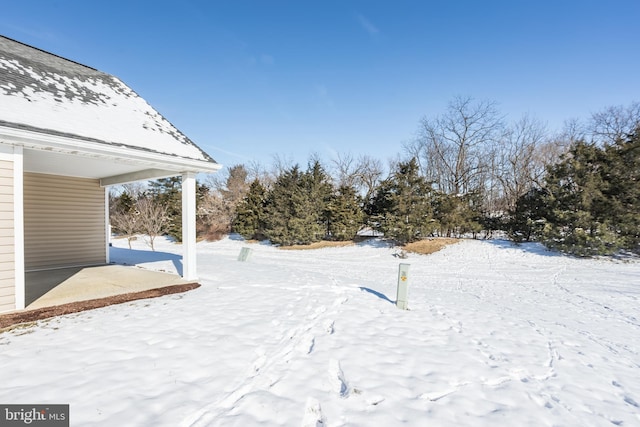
(64, 221)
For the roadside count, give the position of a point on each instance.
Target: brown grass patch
(317, 245)
(27, 318)
(429, 246)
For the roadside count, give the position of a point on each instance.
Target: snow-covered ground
(496, 335)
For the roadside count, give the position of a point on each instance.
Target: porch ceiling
(47, 162)
(110, 170)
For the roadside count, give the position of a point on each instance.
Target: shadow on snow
(529, 247)
(126, 256)
(376, 293)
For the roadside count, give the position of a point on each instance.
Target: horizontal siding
(7, 274)
(6, 181)
(7, 252)
(7, 287)
(63, 221)
(7, 249)
(8, 257)
(6, 170)
(7, 303)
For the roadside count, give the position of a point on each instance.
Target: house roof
(44, 93)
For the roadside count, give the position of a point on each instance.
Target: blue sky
(250, 79)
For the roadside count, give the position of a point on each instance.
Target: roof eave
(78, 146)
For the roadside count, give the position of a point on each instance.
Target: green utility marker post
(245, 254)
(402, 300)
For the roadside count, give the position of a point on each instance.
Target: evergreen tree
(526, 220)
(290, 215)
(345, 214)
(578, 216)
(623, 189)
(167, 192)
(249, 220)
(319, 190)
(235, 186)
(402, 205)
(124, 202)
(457, 214)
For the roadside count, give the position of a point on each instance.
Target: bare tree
(256, 170)
(452, 149)
(614, 123)
(370, 171)
(489, 185)
(344, 169)
(134, 189)
(520, 161)
(153, 218)
(217, 208)
(573, 130)
(215, 216)
(363, 174)
(279, 165)
(125, 222)
(123, 215)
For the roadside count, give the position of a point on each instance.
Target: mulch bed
(26, 316)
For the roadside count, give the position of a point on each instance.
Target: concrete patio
(49, 288)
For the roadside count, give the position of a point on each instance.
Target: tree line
(467, 172)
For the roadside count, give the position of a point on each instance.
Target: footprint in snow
(313, 414)
(261, 360)
(329, 326)
(434, 396)
(306, 344)
(630, 401)
(375, 400)
(337, 381)
(340, 301)
(318, 311)
(496, 382)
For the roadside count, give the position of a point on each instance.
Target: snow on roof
(50, 94)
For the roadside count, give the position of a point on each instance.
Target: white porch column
(189, 226)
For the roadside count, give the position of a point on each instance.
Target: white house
(67, 133)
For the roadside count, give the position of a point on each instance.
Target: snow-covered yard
(495, 335)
